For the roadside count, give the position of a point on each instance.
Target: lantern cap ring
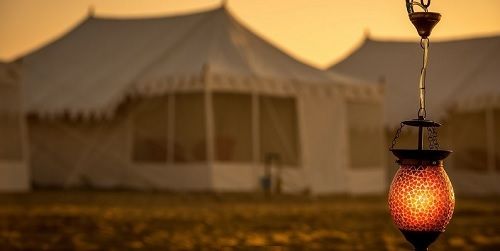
(428, 155)
(421, 123)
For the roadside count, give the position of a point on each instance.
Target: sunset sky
(318, 32)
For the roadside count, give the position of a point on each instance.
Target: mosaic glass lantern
(421, 198)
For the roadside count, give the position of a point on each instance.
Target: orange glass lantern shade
(421, 198)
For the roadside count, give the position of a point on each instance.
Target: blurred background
(229, 125)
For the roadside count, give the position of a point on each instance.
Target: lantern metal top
(422, 154)
(433, 153)
(424, 22)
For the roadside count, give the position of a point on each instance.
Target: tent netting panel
(150, 128)
(11, 143)
(279, 129)
(233, 127)
(469, 140)
(189, 128)
(83, 153)
(233, 137)
(366, 138)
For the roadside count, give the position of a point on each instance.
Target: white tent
(14, 174)
(463, 84)
(193, 102)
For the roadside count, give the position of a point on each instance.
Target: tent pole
(209, 121)
(490, 139)
(170, 128)
(209, 116)
(210, 125)
(300, 131)
(23, 117)
(255, 129)
(130, 135)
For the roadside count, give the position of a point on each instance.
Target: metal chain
(424, 43)
(432, 136)
(398, 134)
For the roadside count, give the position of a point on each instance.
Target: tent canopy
(91, 69)
(462, 74)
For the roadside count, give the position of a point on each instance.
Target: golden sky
(318, 32)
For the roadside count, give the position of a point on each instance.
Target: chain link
(432, 136)
(396, 137)
(426, 5)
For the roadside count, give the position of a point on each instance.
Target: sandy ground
(90, 220)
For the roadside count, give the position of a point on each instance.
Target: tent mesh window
(233, 127)
(11, 147)
(366, 138)
(469, 140)
(150, 127)
(189, 128)
(279, 129)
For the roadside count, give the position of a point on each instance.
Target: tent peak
(366, 33)
(91, 10)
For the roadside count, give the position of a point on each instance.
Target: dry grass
(78, 220)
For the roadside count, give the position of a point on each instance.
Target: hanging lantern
(421, 198)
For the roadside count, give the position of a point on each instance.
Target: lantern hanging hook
(422, 4)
